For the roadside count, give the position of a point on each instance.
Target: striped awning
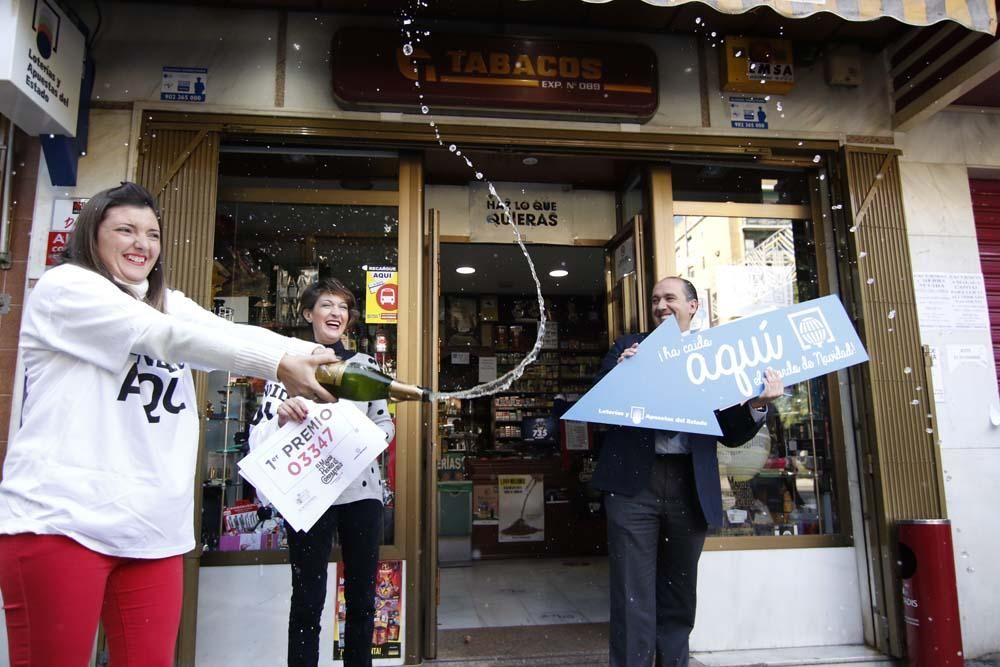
(978, 15)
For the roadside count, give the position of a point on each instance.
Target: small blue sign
(748, 112)
(676, 381)
(184, 84)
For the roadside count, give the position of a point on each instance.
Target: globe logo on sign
(46, 24)
(810, 328)
(812, 331)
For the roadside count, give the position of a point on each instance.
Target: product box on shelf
(250, 541)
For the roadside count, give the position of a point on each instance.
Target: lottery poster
(388, 637)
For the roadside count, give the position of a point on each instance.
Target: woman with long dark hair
(96, 502)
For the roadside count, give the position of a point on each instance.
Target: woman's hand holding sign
(294, 409)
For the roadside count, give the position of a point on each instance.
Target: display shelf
(225, 433)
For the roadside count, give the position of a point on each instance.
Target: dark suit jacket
(628, 452)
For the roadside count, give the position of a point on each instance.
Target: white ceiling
(503, 269)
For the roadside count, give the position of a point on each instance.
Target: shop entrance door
(514, 536)
(431, 287)
(626, 278)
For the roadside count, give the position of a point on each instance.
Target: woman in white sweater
(356, 515)
(96, 501)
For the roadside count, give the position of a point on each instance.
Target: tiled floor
(506, 593)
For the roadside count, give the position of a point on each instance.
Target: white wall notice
(951, 300)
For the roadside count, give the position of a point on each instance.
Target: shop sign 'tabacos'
(501, 76)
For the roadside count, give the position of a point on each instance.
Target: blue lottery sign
(676, 381)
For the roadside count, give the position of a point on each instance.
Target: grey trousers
(655, 539)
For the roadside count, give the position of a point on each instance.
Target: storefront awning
(978, 15)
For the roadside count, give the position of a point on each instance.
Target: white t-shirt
(107, 448)
(368, 485)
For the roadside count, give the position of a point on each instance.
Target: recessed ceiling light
(529, 161)
(558, 273)
(465, 270)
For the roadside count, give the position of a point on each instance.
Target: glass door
(625, 263)
(431, 235)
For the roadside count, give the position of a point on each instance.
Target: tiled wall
(938, 156)
(26, 157)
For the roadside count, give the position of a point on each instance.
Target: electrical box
(844, 66)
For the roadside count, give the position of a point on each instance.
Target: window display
(266, 254)
(782, 481)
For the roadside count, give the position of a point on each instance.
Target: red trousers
(55, 591)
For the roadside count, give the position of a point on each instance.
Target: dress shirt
(674, 442)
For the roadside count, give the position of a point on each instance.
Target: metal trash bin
(930, 597)
(454, 522)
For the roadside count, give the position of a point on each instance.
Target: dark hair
(82, 248)
(311, 294)
(690, 292)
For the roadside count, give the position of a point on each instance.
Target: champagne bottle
(360, 383)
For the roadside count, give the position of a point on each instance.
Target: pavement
(585, 645)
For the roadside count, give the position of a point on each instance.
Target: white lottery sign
(304, 467)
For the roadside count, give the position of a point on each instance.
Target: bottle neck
(400, 391)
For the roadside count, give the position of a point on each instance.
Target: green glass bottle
(360, 383)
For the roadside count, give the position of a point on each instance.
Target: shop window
(783, 481)
(283, 221)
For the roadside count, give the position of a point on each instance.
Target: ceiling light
(465, 270)
(558, 273)
(529, 161)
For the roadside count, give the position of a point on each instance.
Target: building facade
(273, 168)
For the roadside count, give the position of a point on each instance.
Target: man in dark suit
(662, 493)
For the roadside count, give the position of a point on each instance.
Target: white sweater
(107, 447)
(368, 485)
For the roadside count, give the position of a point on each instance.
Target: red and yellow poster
(381, 295)
(388, 638)
(64, 215)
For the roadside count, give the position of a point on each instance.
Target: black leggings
(359, 531)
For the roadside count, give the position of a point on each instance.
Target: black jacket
(628, 452)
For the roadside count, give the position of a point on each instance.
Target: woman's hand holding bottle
(298, 374)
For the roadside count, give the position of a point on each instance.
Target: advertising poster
(521, 508)
(388, 638)
(381, 295)
(64, 215)
(748, 112)
(183, 84)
